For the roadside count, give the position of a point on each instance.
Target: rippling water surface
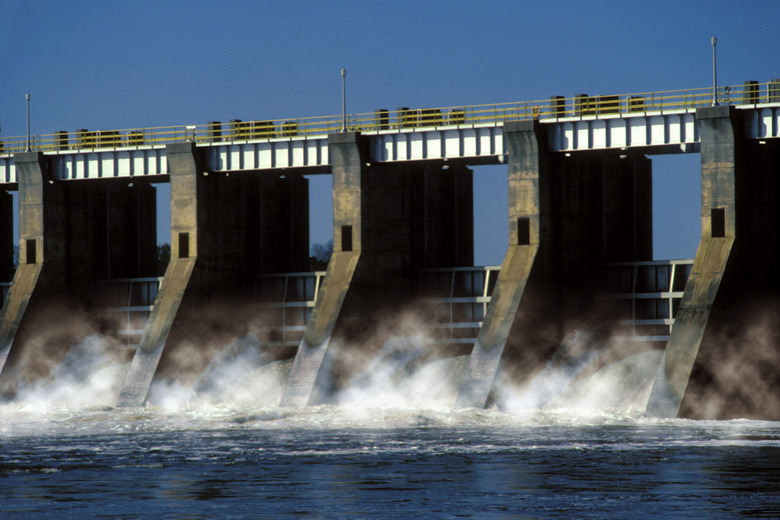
(392, 448)
(355, 462)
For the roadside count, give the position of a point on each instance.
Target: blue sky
(114, 65)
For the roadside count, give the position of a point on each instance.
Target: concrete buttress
(718, 362)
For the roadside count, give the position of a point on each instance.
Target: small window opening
(184, 245)
(346, 238)
(31, 251)
(718, 222)
(523, 231)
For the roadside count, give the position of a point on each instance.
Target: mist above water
(401, 377)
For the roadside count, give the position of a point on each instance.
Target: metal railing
(581, 105)
(456, 301)
(286, 303)
(647, 296)
(127, 303)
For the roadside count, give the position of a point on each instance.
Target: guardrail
(286, 302)
(647, 296)
(456, 299)
(127, 303)
(581, 105)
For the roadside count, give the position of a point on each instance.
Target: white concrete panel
(486, 145)
(452, 143)
(265, 155)
(433, 145)
(6, 168)
(248, 161)
(80, 170)
(674, 129)
(324, 153)
(297, 153)
(281, 154)
(583, 141)
(691, 133)
(124, 165)
(618, 133)
(416, 146)
(234, 157)
(599, 134)
(657, 130)
(638, 132)
(92, 166)
(470, 144)
(139, 162)
(402, 148)
(107, 164)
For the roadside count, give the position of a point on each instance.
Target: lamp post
(343, 100)
(714, 42)
(27, 97)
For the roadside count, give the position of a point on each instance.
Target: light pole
(714, 42)
(27, 97)
(343, 100)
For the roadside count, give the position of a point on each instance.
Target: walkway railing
(127, 304)
(647, 295)
(582, 105)
(286, 302)
(456, 301)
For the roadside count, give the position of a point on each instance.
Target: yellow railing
(582, 105)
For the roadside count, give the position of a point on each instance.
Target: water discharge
(402, 376)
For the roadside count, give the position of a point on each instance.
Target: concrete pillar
(389, 221)
(568, 215)
(528, 223)
(721, 359)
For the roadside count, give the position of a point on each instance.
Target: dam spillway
(579, 182)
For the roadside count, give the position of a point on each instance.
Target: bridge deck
(662, 122)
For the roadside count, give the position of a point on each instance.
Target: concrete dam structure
(579, 255)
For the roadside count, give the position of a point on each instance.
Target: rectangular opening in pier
(346, 238)
(523, 231)
(184, 245)
(718, 222)
(31, 250)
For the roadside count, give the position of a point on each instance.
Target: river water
(190, 455)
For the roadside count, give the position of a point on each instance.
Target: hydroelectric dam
(579, 255)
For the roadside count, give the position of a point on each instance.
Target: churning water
(224, 449)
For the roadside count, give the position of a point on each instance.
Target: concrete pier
(720, 361)
(69, 237)
(389, 221)
(224, 230)
(568, 215)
